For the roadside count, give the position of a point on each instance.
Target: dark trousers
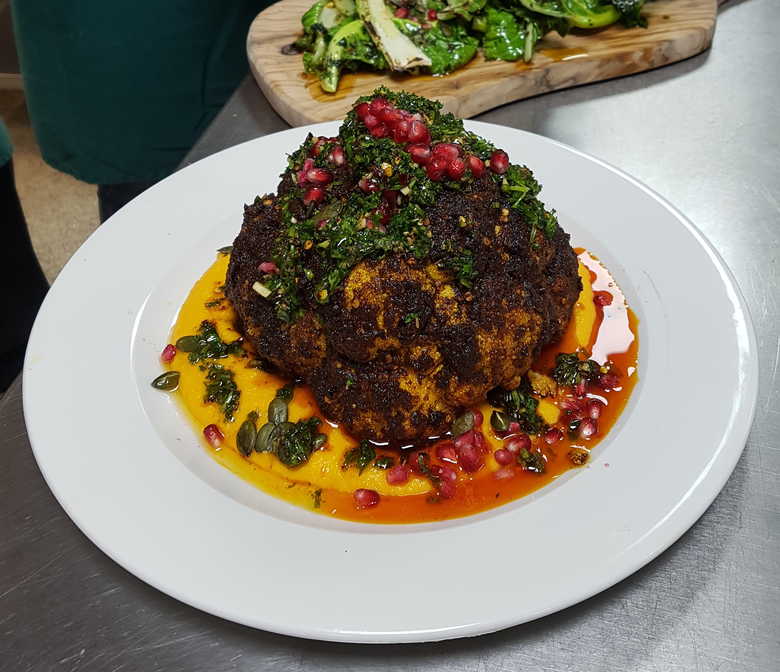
(111, 197)
(20, 301)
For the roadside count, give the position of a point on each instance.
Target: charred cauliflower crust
(402, 347)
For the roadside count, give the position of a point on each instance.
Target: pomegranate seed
(446, 150)
(213, 435)
(436, 168)
(446, 451)
(390, 197)
(514, 427)
(608, 381)
(370, 121)
(308, 164)
(476, 165)
(478, 418)
(503, 456)
(553, 435)
(401, 13)
(313, 195)
(401, 131)
(479, 441)
(504, 473)
(577, 409)
(378, 104)
(595, 407)
(465, 439)
(368, 185)
(456, 169)
(470, 458)
(317, 147)
(168, 353)
(602, 298)
(362, 110)
(318, 176)
(398, 475)
(588, 427)
(390, 116)
(499, 162)
(379, 131)
(518, 443)
(446, 489)
(580, 388)
(445, 472)
(337, 156)
(432, 15)
(420, 154)
(414, 460)
(365, 499)
(418, 132)
(268, 267)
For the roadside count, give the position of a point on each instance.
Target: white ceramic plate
(134, 476)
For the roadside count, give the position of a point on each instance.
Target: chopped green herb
(411, 317)
(286, 393)
(293, 443)
(570, 369)
(361, 456)
(317, 498)
(531, 461)
(520, 405)
(221, 389)
(207, 344)
(384, 462)
(214, 303)
(462, 266)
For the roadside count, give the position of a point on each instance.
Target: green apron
(119, 91)
(5, 145)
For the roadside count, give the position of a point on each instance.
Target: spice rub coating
(401, 347)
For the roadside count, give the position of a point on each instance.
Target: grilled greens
(439, 36)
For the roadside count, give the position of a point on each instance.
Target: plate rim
(684, 517)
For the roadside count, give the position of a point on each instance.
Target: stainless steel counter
(705, 133)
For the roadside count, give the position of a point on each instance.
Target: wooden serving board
(677, 29)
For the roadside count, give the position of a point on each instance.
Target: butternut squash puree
(321, 483)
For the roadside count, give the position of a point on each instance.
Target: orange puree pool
(603, 332)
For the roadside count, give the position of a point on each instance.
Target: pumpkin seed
(188, 343)
(463, 424)
(262, 440)
(278, 435)
(499, 421)
(277, 411)
(167, 381)
(245, 439)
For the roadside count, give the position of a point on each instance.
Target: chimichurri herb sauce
(365, 193)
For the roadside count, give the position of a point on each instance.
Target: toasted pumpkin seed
(463, 424)
(245, 438)
(277, 411)
(167, 381)
(499, 421)
(263, 438)
(188, 343)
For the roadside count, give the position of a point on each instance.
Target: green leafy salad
(439, 36)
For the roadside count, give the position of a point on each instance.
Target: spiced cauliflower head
(403, 269)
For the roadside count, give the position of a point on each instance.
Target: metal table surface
(704, 133)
